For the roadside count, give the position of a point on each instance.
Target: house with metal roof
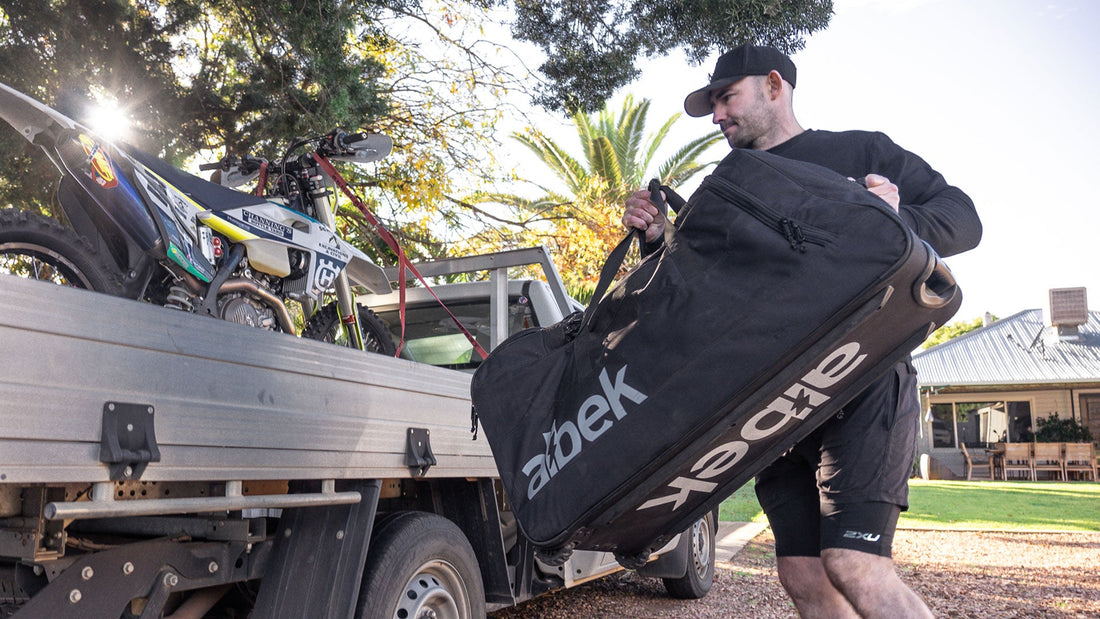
(994, 383)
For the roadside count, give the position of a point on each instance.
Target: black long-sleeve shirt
(938, 213)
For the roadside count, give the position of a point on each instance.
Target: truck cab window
(432, 337)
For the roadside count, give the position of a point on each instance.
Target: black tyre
(420, 565)
(325, 326)
(36, 247)
(700, 568)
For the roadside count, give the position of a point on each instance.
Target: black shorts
(845, 484)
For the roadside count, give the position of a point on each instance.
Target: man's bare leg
(871, 584)
(811, 590)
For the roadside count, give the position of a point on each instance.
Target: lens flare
(108, 120)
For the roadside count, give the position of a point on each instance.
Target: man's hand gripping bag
(783, 291)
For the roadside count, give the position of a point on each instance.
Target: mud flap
(317, 562)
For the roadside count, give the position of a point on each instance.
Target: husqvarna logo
(565, 441)
(327, 271)
(796, 403)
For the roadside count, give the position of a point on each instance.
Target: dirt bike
(144, 229)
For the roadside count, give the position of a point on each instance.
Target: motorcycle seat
(211, 196)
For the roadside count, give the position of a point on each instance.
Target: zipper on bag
(796, 234)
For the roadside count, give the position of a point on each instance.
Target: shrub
(1054, 429)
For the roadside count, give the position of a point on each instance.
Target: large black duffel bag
(783, 291)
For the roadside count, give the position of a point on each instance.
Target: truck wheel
(420, 565)
(700, 569)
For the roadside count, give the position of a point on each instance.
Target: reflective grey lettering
(592, 411)
(720, 459)
(686, 487)
(835, 367)
(618, 390)
(567, 429)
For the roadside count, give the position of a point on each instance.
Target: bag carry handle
(936, 287)
(618, 255)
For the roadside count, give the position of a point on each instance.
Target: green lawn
(1008, 506)
(742, 506)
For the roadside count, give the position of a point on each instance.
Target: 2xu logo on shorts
(867, 537)
(805, 396)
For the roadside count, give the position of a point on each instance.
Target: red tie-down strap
(403, 261)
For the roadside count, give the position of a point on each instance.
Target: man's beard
(752, 125)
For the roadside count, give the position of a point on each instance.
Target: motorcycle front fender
(362, 271)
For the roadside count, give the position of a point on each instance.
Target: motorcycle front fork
(345, 300)
(349, 315)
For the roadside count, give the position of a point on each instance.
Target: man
(834, 499)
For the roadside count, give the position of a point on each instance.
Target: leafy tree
(445, 98)
(953, 330)
(592, 46)
(212, 75)
(63, 52)
(196, 74)
(579, 220)
(206, 75)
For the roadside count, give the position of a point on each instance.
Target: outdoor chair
(1047, 458)
(976, 460)
(1081, 460)
(1017, 457)
(996, 460)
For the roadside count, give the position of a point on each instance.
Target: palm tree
(579, 220)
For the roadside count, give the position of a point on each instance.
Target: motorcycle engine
(241, 309)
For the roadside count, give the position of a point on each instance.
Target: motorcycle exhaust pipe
(282, 314)
(222, 283)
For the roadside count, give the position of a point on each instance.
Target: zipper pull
(793, 233)
(799, 237)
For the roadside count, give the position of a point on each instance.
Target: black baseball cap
(735, 64)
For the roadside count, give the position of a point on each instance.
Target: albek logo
(799, 400)
(565, 441)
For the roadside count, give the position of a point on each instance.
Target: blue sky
(1000, 96)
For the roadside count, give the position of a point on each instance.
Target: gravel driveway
(959, 574)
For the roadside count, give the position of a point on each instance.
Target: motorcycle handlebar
(339, 142)
(246, 164)
(351, 138)
(334, 144)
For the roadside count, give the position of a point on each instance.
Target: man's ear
(774, 82)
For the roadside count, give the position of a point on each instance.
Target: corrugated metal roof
(1020, 349)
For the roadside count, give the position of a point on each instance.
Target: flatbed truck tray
(227, 402)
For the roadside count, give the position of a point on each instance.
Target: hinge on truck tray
(418, 452)
(128, 442)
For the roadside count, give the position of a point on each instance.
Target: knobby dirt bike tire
(325, 326)
(37, 247)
